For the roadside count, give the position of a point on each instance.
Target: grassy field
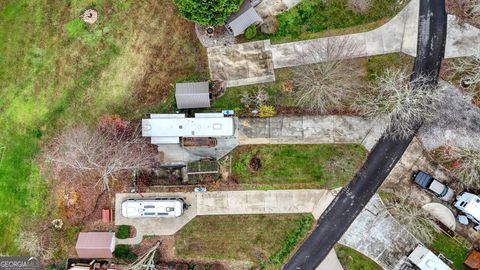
(318, 166)
(452, 249)
(353, 260)
(317, 18)
(55, 71)
(265, 240)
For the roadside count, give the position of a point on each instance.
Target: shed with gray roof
(192, 95)
(239, 21)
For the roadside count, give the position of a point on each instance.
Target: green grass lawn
(354, 260)
(453, 249)
(315, 18)
(317, 166)
(56, 71)
(265, 240)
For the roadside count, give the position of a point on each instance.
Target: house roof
(95, 244)
(167, 129)
(192, 95)
(242, 19)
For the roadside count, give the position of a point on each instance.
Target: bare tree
(255, 98)
(102, 151)
(406, 102)
(468, 68)
(466, 165)
(34, 243)
(413, 218)
(146, 261)
(328, 84)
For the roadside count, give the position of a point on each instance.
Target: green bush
(251, 32)
(75, 28)
(123, 232)
(123, 252)
(208, 13)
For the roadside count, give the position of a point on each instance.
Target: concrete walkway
(377, 235)
(253, 62)
(223, 203)
(311, 130)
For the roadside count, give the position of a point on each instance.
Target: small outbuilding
(192, 95)
(95, 244)
(473, 260)
(239, 21)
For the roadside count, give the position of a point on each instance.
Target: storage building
(192, 95)
(239, 21)
(95, 244)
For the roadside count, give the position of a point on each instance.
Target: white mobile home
(170, 128)
(424, 259)
(155, 207)
(469, 204)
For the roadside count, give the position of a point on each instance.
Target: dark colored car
(432, 185)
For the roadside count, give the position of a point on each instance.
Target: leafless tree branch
(100, 151)
(413, 218)
(328, 84)
(466, 165)
(406, 102)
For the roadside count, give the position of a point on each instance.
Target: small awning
(441, 213)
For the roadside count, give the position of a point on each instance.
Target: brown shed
(95, 244)
(473, 260)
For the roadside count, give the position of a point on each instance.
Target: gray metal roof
(192, 95)
(242, 19)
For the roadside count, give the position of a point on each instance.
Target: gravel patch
(220, 36)
(457, 122)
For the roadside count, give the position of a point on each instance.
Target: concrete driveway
(377, 235)
(223, 203)
(311, 130)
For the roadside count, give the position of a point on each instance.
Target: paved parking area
(376, 234)
(242, 64)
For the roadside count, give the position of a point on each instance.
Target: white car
(154, 207)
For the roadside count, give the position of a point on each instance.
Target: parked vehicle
(154, 207)
(424, 259)
(469, 205)
(432, 185)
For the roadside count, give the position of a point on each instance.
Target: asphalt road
(350, 201)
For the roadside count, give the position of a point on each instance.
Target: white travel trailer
(469, 204)
(153, 207)
(424, 259)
